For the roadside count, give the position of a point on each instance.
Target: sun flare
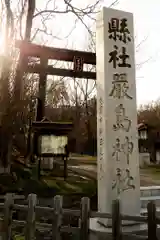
(2, 45)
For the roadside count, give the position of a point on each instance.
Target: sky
(147, 37)
(147, 41)
(146, 25)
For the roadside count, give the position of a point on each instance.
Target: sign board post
(118, 157)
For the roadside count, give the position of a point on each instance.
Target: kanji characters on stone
(100, 106)
(129, 180)
(101, 138)
(119, 60)
(122, 121)
(117, 150)
(118, 30)
(120, 86)
(123, 181)
(125, 148)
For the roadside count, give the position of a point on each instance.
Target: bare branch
(139, 65)
(9, 25)
(31, 9)
(22, 12)
(140, 44)
(114, 3)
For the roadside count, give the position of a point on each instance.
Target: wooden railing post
(152, 225)
(84, 221)
(8, 207)
(116, 221)
(57, 217)
(30, 227)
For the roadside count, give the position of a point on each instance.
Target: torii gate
(43, 53)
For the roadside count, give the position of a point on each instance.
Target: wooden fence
(57, 211)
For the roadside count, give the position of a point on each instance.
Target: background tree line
(66, 99)
(36, 22)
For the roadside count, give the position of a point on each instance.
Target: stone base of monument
(130, 230)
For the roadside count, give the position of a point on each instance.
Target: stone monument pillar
(117, 135)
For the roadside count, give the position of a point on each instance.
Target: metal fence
(57, 212)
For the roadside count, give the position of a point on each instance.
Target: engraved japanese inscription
(101, 139)
(118, 30)
(122, 121)
(117, 138)
(117, 150)
(124, 181)
(120, 60)
(120, 86)
(125, 148)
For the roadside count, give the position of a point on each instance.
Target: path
(86, 168)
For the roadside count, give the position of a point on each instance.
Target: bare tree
(27, 20)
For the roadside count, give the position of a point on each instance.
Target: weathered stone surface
(118, 158)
